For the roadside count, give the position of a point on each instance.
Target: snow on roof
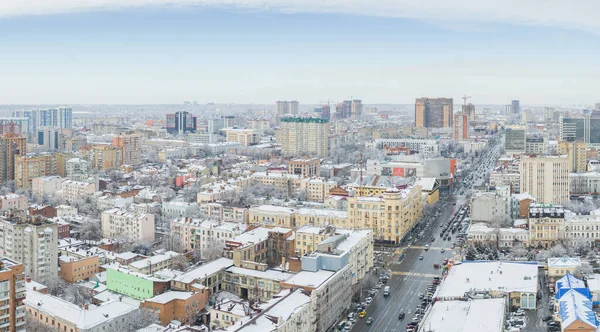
(126, 255)
(153, 260)
(467, 316)
(169, 296)
(32, 283)
(520, 222)
(564, 262)
(354, 237)
(426, 184)
(80, 317)
(593, 282)
(270, 274)
(322, 213)
(494, 276)
(272, 209)
(522, 196)
(309, 278)
(575, 306)
(204, 270)
(258, 234)
(569, 281)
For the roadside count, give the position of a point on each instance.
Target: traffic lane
(380, 305)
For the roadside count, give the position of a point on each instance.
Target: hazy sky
(258, 51)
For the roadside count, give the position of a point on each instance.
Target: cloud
(580, 14)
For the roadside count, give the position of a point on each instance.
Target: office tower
(33, 166)
(576, 152)
(214, 125)
(574, 129)
(343, 110)
(545, 177)
(516, 109)
(104, 156)
(461, 126)
(65, 118)
(434, 112)
(33, 242)
(131, 148)
(515, 140)
(300, 136)
(229, 121)
(10, 146)
(469, 110)
(181, 122)
(12, 284)
(356, 108)
(47, 137)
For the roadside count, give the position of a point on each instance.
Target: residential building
(283, 108)
(211, 275)
(105, 156)
(181, 122)
(13, 292)
(46, 185)
(546, 225)
(182, 306)
(498, 237)
(315, 189)
(469, 110)
(466, 316)
(131, 225)
(11, 145)
(73, 269)
(62, 315)
(431, 187)
(559, 267)
(401, 210)
(28, 167)
(434, 112)
(270, 215)
(227, 312)
(301, 136)
(516, 108)
(584, 183)
(461, 126)
(47, 138)
(489, 206)
(320, 217)
(545, 177)
(32, 242)
(10, 202)
(137, 285)
(256, 247)
(305, 167)
(130, 147)
(246, 137)
(254, 284)
(536, 145)
(576, 152)
(74, 190)
(425, 147)
(77, 169)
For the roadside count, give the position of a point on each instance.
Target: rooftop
(169, 296)
(204, 270)
(467, 316)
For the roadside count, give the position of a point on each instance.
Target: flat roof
(204, 270)
(466, 316)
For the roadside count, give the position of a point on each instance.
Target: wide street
(410, 276)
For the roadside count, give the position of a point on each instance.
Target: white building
(46, 185)
(77, 169)
(176, 209)
(200, 234)
(74, 190)
(425, 147)
(584, 183)
(545, 177)
(33, 244)
(64, 211)
(488, 206)
(582, 228)
(501, 237)
(134, 226)
(466, 316)
(13, 202)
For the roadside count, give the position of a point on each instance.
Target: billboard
(398, 171)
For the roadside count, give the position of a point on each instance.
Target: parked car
(362, 314)
(369, 321)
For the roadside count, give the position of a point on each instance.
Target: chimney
(86, 306)
(34, 288)
(28, 279)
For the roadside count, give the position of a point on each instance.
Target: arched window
(524, 302)
(531, 301)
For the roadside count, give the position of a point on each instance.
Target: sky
(260, 51)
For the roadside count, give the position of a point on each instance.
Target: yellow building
(308, 237)
(299, 136)
(321, 217)
(246, 137)
(431, 188)
(104, 157)
(316, 189)
(11, 145)
(546, 225)
(30, 167)
(576, 151)
(391, 216)
(271, 215)
(305, 167)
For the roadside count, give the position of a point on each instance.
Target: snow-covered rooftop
(309, 278)
(270, 274)
(153, 260)
(205, 270)
(575, 306)
(467, 316)
(494, 276)
(169, 296)
(564, 262)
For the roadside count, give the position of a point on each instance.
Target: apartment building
(200, 234)
(434, 112)
(271, 215)
(301, 136)
(489, 206)
(546, 225)
(130, 147)
(576, 152)
(46, 185)
(545, 177)
(34, 243)
(12, 295)
(105, 156)
(77, 169)
(131, 225)
(32, 166)
(219, 211)
(74, 190)
(320, 217)
(11, 145)
(13, 202)
(182, 306)
(73, 268)
(391, 216)
(246, 137)
(305, 167)
(315, 189)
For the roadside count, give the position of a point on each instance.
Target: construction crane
(464, 98)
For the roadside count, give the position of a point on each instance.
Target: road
(411, 276)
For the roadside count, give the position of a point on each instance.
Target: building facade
(434, 112)
(134, 226)
(545, 177)
(300, 136)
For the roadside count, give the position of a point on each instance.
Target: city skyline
(259, 52)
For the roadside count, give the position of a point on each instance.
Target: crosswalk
(415, 274)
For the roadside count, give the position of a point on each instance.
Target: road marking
(414, 274)
(430, 248)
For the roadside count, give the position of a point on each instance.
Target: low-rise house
(153, 263)
(73, 269)
(574, 305)
(211, 275)
(256, 285)
(13, 202)
(185, 307)
(558, 267)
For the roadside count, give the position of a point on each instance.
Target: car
(369, 321)
(369, 300)
(432, 239)
(401, 315)
(443, 250)
(362, 314)
(351, 316)
(547, 319)
(553, 329)
(421, 296)
(518, 313)
(421, 257)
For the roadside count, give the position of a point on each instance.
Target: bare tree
(213, 250)
(172, 242)
(90, 230)
(180, 263)
(142, 319)
(33, 324)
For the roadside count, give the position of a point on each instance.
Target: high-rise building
(181, 122)
(434, 112)
(545, 177)
(325, 111)
(356, 108)
(104, 156)
(287, 107)
(343, 110)
(77, 169)
(515, 140)
(461, 126)
(131, 148)
(300, 136)
(33, 242)
(214, 125)
(574, 129)
(516, 108)
(229, 121)
(29, 167)
(469, 109)
(47, 137)
(576, 151)
(10, 146)
(12, 284)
